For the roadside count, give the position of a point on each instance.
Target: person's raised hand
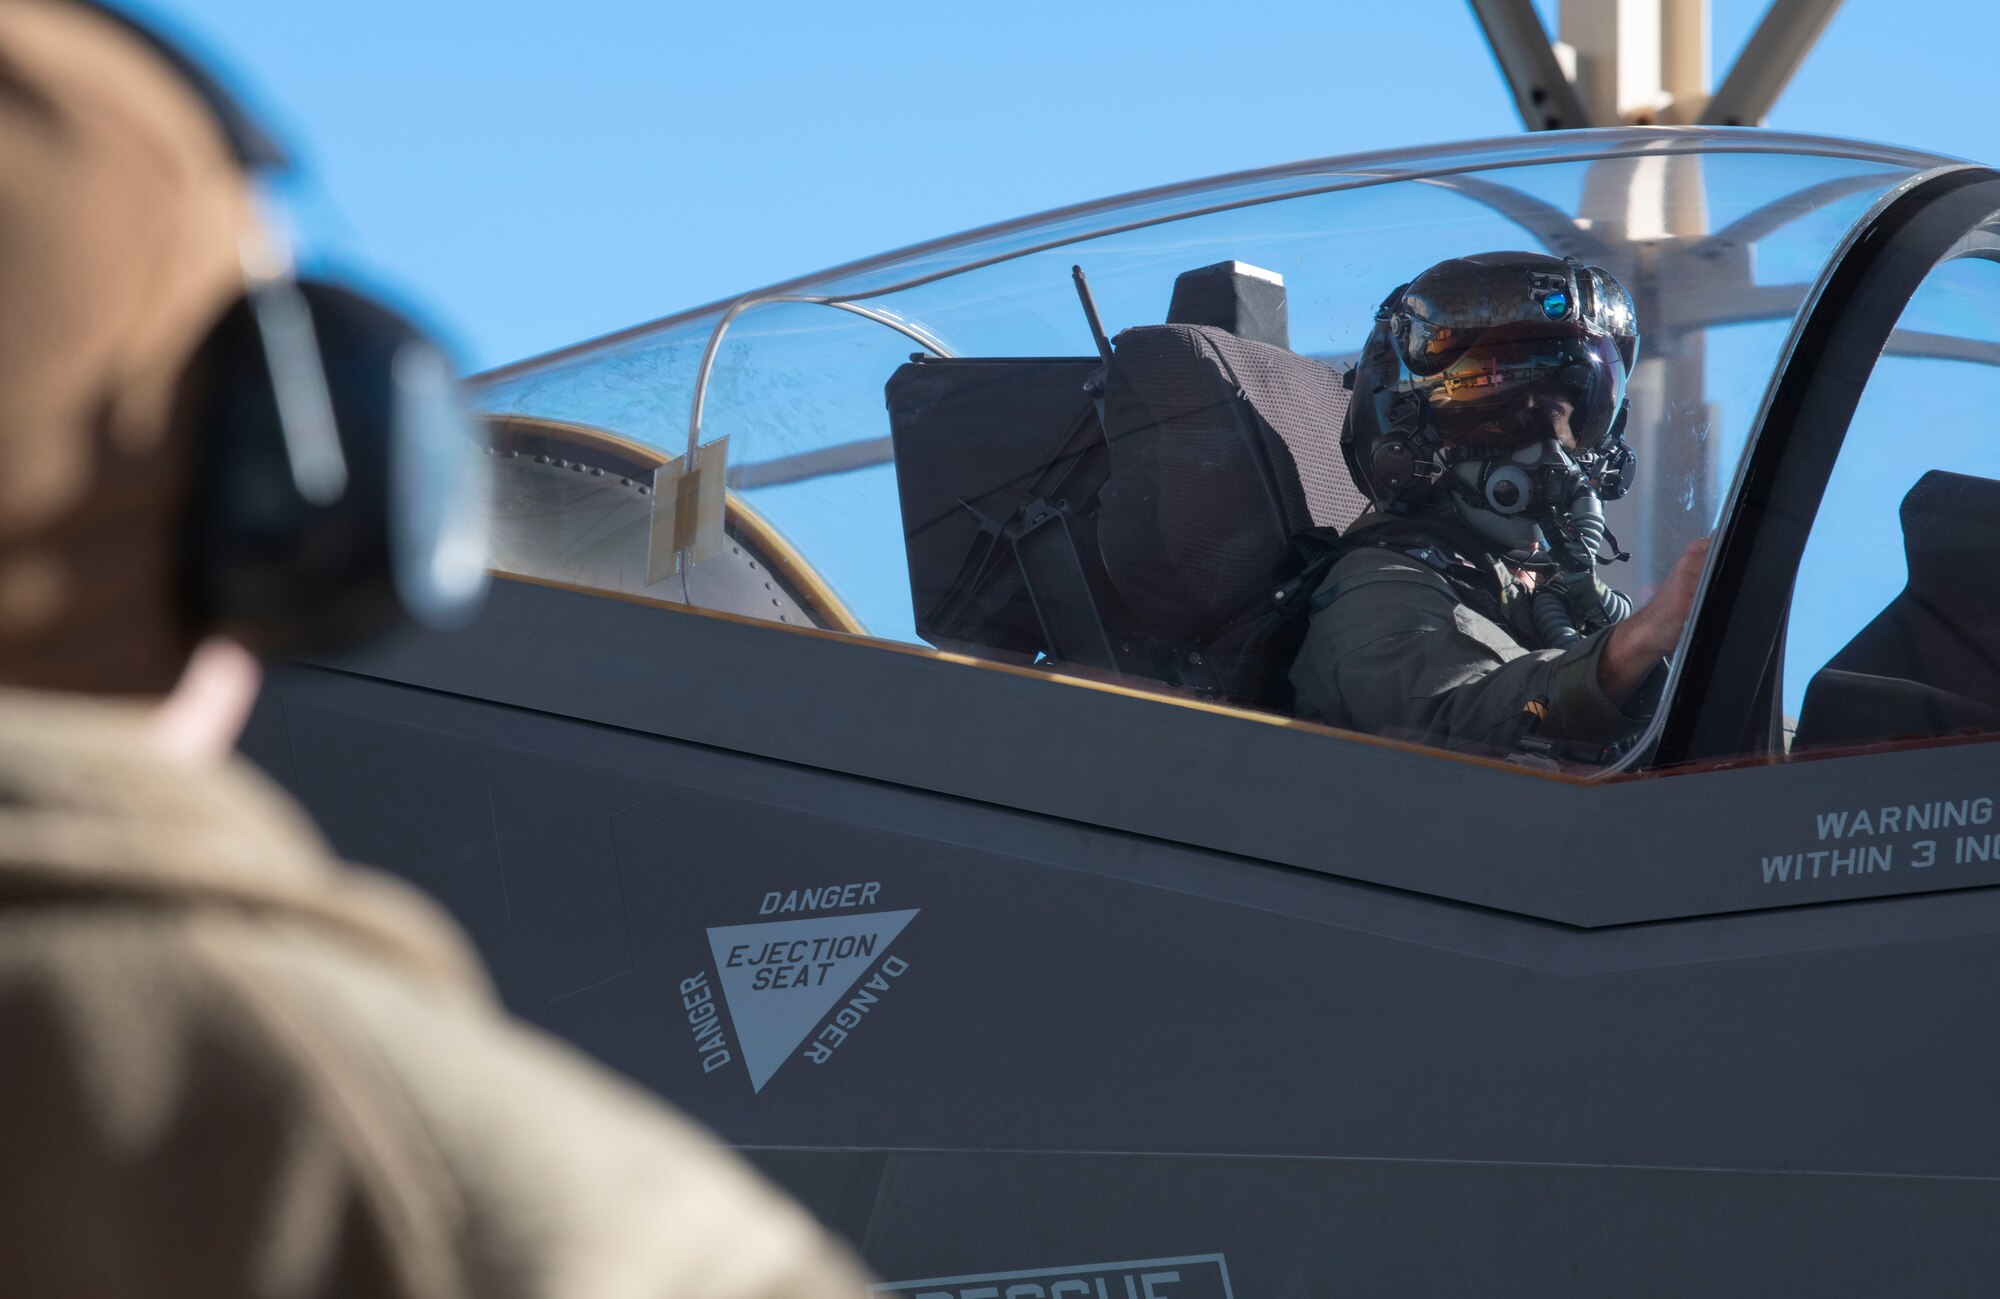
(1637, 645)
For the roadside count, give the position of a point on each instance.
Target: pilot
(1485, 429)
(232, 1065)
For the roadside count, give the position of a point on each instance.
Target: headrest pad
(1248, 301)
(1951, 534)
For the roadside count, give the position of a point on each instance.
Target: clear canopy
(1719, 235)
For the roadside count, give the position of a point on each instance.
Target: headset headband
(254, 147)
(331, 491)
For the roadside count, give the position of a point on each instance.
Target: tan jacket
(230, 1066)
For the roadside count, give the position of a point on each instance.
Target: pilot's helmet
(1475, 358)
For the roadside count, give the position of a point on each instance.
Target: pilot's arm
(1397, 653)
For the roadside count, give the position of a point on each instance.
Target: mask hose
(1581, 598)
(1553, 625)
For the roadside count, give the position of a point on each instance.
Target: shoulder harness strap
(1441, 547)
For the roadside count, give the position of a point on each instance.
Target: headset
(336, 485)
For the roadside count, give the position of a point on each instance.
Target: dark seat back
(1929, 663)
(977, 441)
(1222, 449)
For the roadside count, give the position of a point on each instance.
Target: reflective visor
(1607, 308)
(1456, 306)
(1507, 393)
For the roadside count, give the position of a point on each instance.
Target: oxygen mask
(1522, 501)
(1538, 509)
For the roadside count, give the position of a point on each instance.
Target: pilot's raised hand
(1636, 645)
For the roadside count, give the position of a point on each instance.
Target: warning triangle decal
(781, 977)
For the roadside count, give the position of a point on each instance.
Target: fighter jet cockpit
(1105, 446)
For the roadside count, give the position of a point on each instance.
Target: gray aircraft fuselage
(1039, 988)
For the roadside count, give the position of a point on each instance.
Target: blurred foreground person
(230, 1066)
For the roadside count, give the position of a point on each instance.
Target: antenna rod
(1090, 314)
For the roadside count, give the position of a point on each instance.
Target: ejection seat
(1136, 514)
(1925, 665)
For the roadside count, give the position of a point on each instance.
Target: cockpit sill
(1208, 777)
(1070, 676)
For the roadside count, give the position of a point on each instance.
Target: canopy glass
(1721, 237)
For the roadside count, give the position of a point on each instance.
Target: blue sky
(526, 176)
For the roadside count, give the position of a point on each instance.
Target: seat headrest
(1246, 300)
(1951, 536)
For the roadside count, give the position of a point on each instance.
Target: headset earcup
(1393, 467)
(278, 572)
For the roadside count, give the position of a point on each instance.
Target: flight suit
(235, 1067)
(1397, 648)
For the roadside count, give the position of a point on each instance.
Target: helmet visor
(1608, 308)
(1501, 395)
(1456, 306)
